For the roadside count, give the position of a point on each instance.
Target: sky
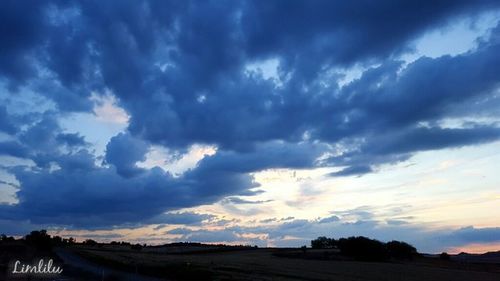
(267, 123)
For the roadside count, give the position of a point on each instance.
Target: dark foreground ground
(205, 263)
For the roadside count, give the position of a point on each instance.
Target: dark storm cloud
(327, 33)
(81, 194)
(12, 227)
(476, 235)
(179, 69)
(433, 138)
(13, 148)
(6, 125)
(400, 144)
(123, 151)
(21, 30)
(71, 139)
(93, 196)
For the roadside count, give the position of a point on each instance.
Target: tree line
(363, 248)
(41, 240)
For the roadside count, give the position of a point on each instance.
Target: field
(276, 264)
(107, 262)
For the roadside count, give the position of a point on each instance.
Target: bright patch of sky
(352, 73)
(175, 163)
(269, 69)
(8, 186)
(457, 37)
(432, 191)
(106, 121)
(445, 188)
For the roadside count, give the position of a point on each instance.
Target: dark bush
(39, 239)
(5, 238)
(362, 248)
(90, 242)
(400, 250)
(137, 247)
(57, 240)
(323, 243)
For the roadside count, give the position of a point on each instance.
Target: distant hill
(489, 257)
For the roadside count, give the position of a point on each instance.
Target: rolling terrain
(175, 263)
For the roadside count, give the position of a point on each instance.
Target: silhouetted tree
(5, 238)
(57, 241)
(90, 242)
(400, 250)
(137, 247)
(323, 242)
(40, 239)
(362, 248)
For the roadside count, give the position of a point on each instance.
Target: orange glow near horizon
(476, 248)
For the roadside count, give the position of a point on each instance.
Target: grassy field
(278, 264)
(208, 262)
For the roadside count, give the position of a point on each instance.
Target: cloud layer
(180, 71)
